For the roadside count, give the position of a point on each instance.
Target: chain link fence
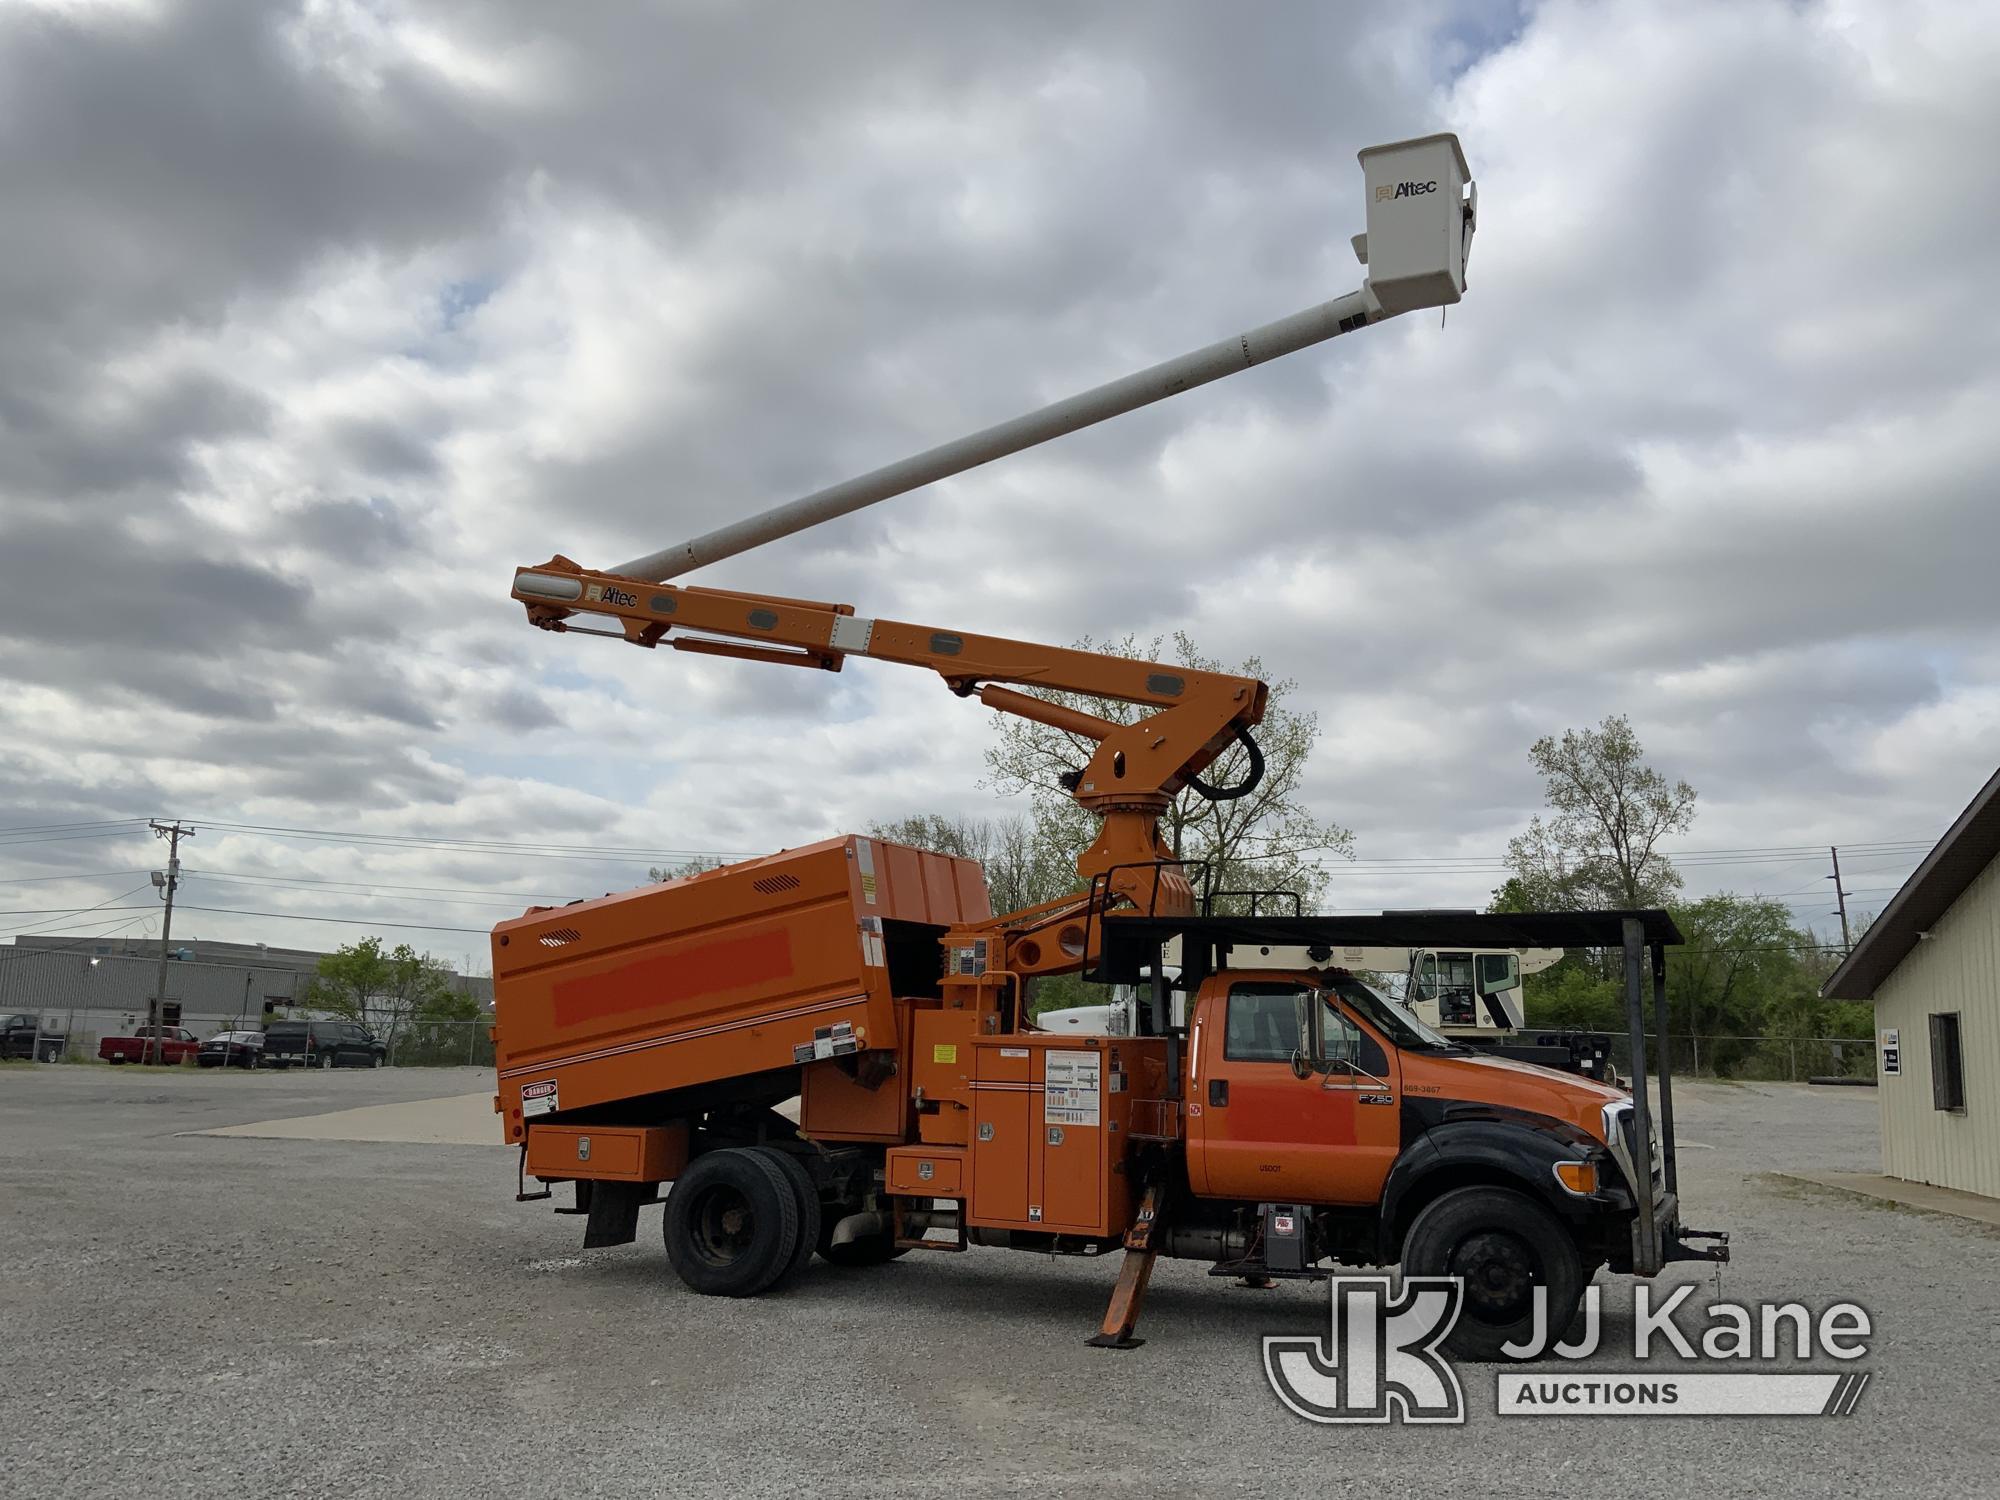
(1759, 1059)
(72, 1036)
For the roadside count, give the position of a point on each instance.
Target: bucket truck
(1288, 1120)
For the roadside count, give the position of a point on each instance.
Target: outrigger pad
(1113, 1341)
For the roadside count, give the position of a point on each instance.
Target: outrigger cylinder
(1420, 221)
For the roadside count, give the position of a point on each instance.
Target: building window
(1947, 1063)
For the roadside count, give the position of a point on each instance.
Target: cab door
(1266, 1135)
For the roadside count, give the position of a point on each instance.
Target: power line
(504, 846)
(61, 827)
(77, 912)
(371, 885)
(16, 951)
(292, 916)
(90, 875)
(66, 838)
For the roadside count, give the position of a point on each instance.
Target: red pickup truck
(171, 1045)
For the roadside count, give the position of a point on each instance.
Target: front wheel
(1502, 1245)
(326, 1061)
(380, 1059)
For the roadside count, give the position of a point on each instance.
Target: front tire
(326, 1061)
(732, 1223)
(1502, 1244)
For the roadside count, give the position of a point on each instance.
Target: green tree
(1736, 976)
(1021, 870)
(447, 1028)
(377, 987)
(691, 866)
(1608, 811)
(1269, 840)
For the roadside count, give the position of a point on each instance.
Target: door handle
(1218, 1092)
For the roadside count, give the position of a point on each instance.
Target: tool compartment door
(1006, 1125)
(1073, 1125)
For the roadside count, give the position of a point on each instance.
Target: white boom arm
(1421, 213)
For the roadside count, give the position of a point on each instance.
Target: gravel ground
(203, 1315)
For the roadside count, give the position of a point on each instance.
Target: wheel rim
(1500, 1271)
(722, 1226)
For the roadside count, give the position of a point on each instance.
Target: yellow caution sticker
(944, 1052)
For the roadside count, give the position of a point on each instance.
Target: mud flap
(614, 1213)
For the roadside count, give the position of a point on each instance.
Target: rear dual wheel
(741, 1221)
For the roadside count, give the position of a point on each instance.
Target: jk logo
(1380, 1362)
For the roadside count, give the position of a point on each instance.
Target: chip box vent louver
(770, 885)
(555, 937)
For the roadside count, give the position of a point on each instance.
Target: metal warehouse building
(1931, 964)
(93, 988)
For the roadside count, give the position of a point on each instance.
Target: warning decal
(538, 1099)
(1070, 1088)
(836, 1040)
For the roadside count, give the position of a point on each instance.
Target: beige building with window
(1931, 964)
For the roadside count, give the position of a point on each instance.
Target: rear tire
(326, 1061)
(809, 1211)
(732, 1223)
(1503, 1244)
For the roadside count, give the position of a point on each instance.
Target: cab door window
(1262, 1023)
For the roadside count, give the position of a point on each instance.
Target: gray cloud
(317, 321)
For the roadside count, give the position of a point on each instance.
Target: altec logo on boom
(1385, 193)
(1382, 1362)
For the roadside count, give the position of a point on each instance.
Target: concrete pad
(459, 1120)
(1921, 1195)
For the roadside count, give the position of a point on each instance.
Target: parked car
(232, 1049)
(171, 1045)
(322, 1044)
(27, 1036)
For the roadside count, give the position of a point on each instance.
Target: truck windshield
(1404, 1029)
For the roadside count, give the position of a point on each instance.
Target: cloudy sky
(317, 320)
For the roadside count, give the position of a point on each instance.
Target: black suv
(322, 1044)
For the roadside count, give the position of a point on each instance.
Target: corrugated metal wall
(1956, 969)
(108, 998)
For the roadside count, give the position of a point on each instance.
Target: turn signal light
(1579, 1177)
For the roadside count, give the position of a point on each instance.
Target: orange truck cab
(821, 1052)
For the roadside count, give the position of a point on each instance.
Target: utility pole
(173, 833)
(1840, 893)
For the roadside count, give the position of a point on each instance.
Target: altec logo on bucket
(1382, 1359)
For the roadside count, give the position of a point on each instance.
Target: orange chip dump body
(752, 968)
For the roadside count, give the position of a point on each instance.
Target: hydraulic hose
(1242, 788)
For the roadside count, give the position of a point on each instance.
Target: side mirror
(1309, 1055)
